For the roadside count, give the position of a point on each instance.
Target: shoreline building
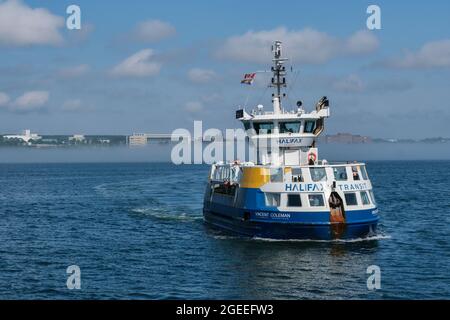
(77, 138)
(26, 136)
(138, 139)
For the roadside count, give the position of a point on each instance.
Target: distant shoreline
(162, 153)
(34, 140)
(153, 143)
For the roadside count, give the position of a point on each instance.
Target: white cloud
(140, 64)
(4, 99)
(152, 31)
(352, 83)
(21, 25)
(431, 54)
(198, 75)
(74, 71)
(30, 101)
(305, 46)
(193, 106)
(361, 42)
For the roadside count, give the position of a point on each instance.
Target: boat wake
(143, 198)
(161, 213)
(368, 238)
(365, 239)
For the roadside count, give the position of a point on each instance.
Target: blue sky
(152, 66)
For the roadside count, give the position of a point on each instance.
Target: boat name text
(318, 187)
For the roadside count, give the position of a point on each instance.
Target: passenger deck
(294, 188)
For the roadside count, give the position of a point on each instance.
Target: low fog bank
(385, 151)
(161, 153)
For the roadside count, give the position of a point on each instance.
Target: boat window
(316, 200)
(365, 198)
(272, 199)
(236, 173)
(363, 172)
(289, 127)
(221, 188)
(294, 200)
(219, 173)
(372, 197)
(297, 175)
(226, 173)
(350, 199)
(318, 174)
(309, 126)
(215, 175)
(247, 126)
(263, 127)
(276, 175)
(355, 173)
(340, 173)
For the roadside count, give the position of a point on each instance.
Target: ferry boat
(289, 192)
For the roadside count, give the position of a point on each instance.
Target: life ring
(312, 156)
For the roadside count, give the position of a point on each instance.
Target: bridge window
(350, 199)
(289, 127)
(316, 200)
(363, 172)
(309, 126)
(340, 173)
(365, 198)
(263, 127)
(272, 199)
(355, 173)
(294, 200)
(297, 175)
(247, 126)
(318, 174)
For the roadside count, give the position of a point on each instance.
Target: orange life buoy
(312, 156)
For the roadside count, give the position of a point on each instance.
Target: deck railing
(232, 172)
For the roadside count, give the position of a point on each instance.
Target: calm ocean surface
(136, 231)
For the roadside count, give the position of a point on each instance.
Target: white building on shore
(138, 139)
(77, 138)
(26, 136)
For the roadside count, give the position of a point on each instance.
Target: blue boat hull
(249, 216)
(279, 230)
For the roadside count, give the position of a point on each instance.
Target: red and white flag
(248, 78)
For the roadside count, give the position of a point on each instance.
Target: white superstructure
(281, 136)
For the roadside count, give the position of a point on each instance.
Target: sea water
(136, 231)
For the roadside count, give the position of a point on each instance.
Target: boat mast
(279, 76)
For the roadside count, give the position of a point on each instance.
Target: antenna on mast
(279, 74)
